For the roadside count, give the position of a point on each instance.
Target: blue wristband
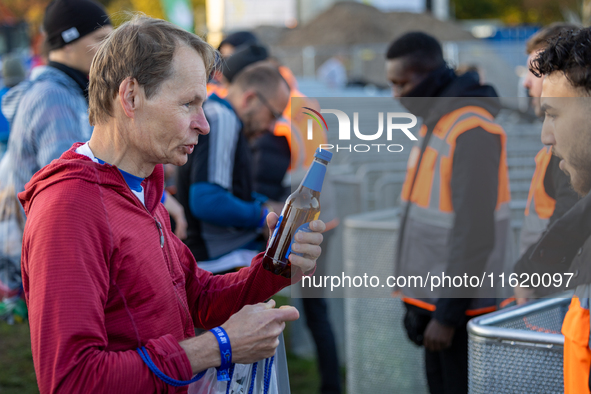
(225, 353)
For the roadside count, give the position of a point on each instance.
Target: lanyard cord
(252, 377)
(230, 381)
(178, 383)
(268, 369)
(165, 378)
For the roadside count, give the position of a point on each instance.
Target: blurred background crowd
(335, 48)
(303, 35)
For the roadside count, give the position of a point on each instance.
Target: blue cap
(323, 154)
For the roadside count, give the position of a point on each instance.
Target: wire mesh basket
(518, 349)
(380, 357)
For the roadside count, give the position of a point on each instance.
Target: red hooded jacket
(103, 274)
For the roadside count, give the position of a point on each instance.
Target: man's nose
(548, 134)
(200, 123)
(527, 83)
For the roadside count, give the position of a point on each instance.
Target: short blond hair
(142, 48)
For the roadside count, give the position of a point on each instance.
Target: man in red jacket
(103, 274)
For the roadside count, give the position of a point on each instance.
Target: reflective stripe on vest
(576, 329)
(431, 216)
(540, 206)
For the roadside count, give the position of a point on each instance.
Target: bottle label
(315, 177)
(276, 229)
(305, 228)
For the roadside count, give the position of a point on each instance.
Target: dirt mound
(403, 22)
(270, 35)
(348, 23)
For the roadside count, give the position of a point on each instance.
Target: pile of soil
(270, 35)
(349, 23)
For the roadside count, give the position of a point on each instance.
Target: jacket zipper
(161, 232)
(166, 258)
(158, 225)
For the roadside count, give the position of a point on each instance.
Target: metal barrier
(518, 349)
(519, 191)
(522, 163)
(380, 357)
(370, 175)
(349, 194)
(387, 190)
(515, 350)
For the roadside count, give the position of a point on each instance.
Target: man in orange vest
(565, 100)
(550, 194)
(455, 202)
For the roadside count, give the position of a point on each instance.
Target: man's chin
(581, 186)
(181, 160)
(178, 160)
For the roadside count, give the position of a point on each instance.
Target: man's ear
(129, 96)
(248, 97)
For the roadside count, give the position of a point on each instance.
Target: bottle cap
(323, 154)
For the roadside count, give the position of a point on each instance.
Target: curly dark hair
(569, 52)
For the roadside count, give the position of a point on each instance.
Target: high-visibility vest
(219, 90)
(430, 218)
(294, 126)
(540, 206)
(576, 331)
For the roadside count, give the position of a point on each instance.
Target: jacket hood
(72, 165)
(442, 92)
(12, 99)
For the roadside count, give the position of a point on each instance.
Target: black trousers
(447, 370)
(316, 314)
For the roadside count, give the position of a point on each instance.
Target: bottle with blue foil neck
(300, 208)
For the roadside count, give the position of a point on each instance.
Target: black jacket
(557, 186)
(565, 247)
(474, 180)
(271, 158)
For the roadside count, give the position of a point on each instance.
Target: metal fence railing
(518, 349)
(515, 350)
(379, 356)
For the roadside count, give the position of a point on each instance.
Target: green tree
(151, 8)
(516, 11)
(29, 10)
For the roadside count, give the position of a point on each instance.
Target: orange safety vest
(430, 219)
(219, 90)
(540, 206)
(577, 355)
(294, 126)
